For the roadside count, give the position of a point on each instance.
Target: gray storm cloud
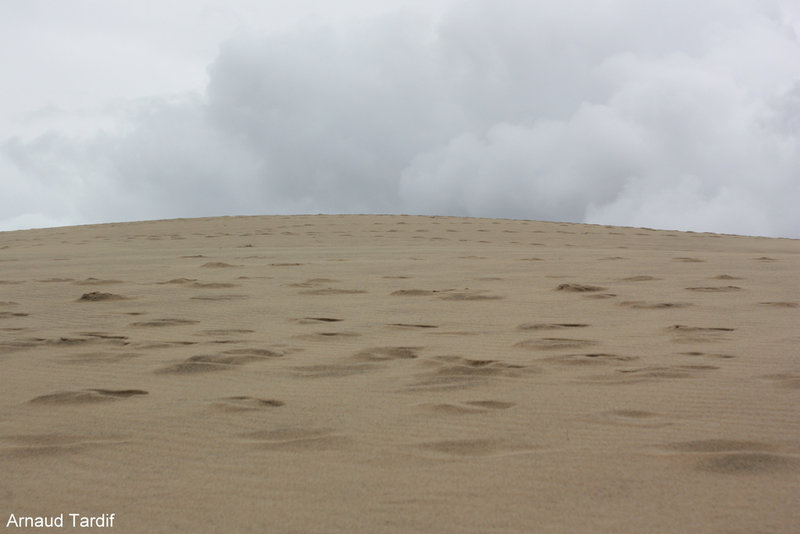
(669, 116)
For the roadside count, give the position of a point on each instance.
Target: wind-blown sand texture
(400, 374)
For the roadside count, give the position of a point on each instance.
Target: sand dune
(400, 374)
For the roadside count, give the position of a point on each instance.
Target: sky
(677, 114)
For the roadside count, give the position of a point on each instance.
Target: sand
(399, 374)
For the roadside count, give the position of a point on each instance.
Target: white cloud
(680, 116)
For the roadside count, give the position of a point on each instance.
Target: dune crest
(400, 374)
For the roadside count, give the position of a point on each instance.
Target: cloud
(602, 112)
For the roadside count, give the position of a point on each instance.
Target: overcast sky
(671, 114)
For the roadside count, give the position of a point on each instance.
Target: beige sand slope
(400, 374)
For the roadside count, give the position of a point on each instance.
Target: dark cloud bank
(681, 115)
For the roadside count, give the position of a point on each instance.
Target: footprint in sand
(467, 407)
(643, 305)
(71, 341)
(645, 374)
(150, 345)
(633, 418)
(715, 289)
(257, 353)
(296, 439)
(413, 292)
(491, 404)
(215, 298)
(784, 380)
(550, 326)
(328, 336)
(157, 323)
(111, 338)
(179, 281)
(244, 403)
(97, 296)
(456, 372)
(100, 357)
(316, 289)
(314, 282)
(8, 315)
(726, 277)
(215, 362)
(600, 296)
(20, 344)
(735, 457)
(718, 445)
(555, 343)
(317, 320)
(214, 285)
(579, 288)
(780, 304)
(475, 447)
(96, 282)
(698, 334)
(333, 370)
(588, 359)
(447, 408)
(640, 278)
(708, 355)
(749, 463)
(218, 265)
(332, 291)
(459, 366)
(225, 332)
(382, 354)
(468, 296)
(87, 396)
(37, 445)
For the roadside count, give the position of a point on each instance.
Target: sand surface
(318, 374)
